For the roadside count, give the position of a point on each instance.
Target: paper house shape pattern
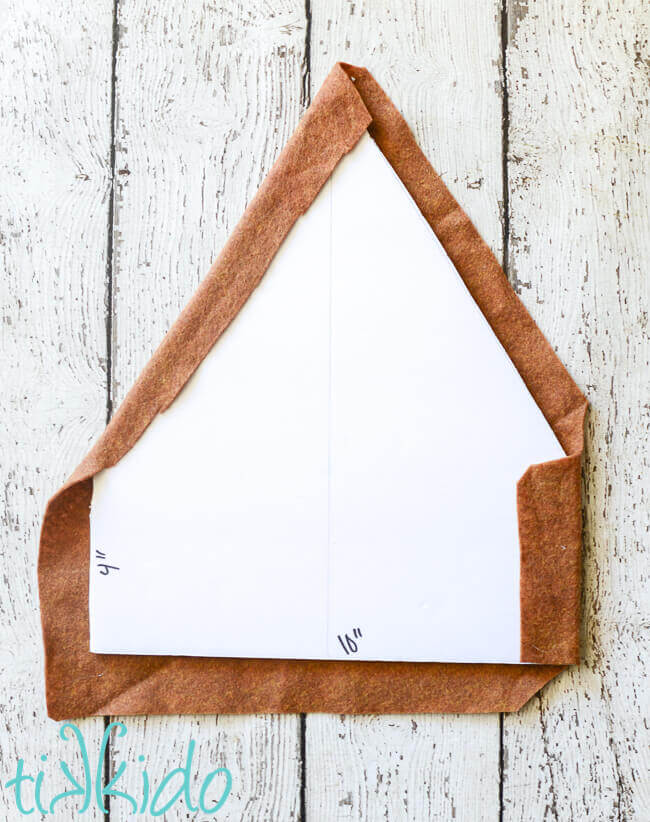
(338, 478)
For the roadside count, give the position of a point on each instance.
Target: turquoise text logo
(153, 798)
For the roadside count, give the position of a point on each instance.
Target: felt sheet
(79, 683)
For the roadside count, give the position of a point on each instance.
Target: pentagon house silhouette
(348, 480)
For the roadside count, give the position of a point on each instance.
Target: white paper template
(338, 479)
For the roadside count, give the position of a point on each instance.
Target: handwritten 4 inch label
(104, 568)
(349, 643)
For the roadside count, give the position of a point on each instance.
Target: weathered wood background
(132, 135)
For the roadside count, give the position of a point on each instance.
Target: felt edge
(549, 510)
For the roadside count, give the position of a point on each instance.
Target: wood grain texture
(415, 767)
(206, 96)
(55, 76)
(441, 65)
(261, 752)
(579, 135)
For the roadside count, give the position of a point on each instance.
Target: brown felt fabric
(79, 683)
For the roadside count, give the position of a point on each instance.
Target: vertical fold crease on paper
(79, 683)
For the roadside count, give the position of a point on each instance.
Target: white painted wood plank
(440, 64)
(261, 752)
(206, 97)
(55, 76)
(415, 767)
(579, 215)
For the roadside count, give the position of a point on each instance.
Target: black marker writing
(349, 644)
(103, 566)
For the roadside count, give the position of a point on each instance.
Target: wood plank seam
(109, 309)
(305, 103)
(505, 222)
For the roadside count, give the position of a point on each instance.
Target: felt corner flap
(550, 537)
